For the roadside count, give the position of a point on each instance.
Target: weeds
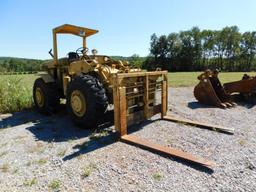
(157, 176)
(51, 145)
(96, 136)
(83, 145)
(4, 144)
(15, 170)
(29, 163)
(3, 153)
(62, 152)
(14, 95)
(29, 183)
(41, 161)
(55, 184)
(242, 142)
(86, 172)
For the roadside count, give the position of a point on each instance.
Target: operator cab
(82, 54)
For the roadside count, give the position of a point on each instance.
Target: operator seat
(72, 56)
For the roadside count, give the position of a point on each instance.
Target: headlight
(135, 90)
(105, 59)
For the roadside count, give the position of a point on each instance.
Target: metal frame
(70, 29)
(122, 119)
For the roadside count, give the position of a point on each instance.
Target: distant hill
(2, 59)
(8, 64)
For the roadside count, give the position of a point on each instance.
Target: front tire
(46, 97)
(86, 100)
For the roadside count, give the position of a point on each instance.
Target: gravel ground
(40, 153)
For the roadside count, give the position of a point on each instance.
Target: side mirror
(50, 52)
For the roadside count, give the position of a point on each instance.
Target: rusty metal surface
(200, 124)
(243, 86)
(166, 150)
(124, 116)
(211, 92)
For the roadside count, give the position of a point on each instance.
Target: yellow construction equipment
(90, 82)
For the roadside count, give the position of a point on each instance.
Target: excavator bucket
(245, 88)
(210, 90)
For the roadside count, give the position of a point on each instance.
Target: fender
(47, 78)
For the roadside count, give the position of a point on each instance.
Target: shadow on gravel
(102, 137)
(195, 166)
(59, 128)
(197, 105)
(19, 118)
(246, 105)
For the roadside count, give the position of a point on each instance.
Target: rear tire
(46, 97)
(86, 100)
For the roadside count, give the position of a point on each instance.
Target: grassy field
(16, 90)
(189, 79)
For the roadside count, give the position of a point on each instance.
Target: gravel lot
(40, 153)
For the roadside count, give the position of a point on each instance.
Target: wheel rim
(39, 97)
(78, 103)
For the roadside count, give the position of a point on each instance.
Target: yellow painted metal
(39, 97)
(78, 103)
(70, 29)
(84, 42)
(55, 51)
(66, 80)
(78, 67)
(75, 30)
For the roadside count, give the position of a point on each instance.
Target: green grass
(15, 92)
(189, 79)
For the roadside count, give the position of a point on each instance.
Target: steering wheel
(83, 51)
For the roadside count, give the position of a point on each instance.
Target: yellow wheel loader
(90, 82)
(84, 79)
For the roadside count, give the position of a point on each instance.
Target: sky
(125, 26)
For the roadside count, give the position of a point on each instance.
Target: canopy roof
(75, 30)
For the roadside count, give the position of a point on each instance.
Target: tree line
(19, 65)
(193, 50)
